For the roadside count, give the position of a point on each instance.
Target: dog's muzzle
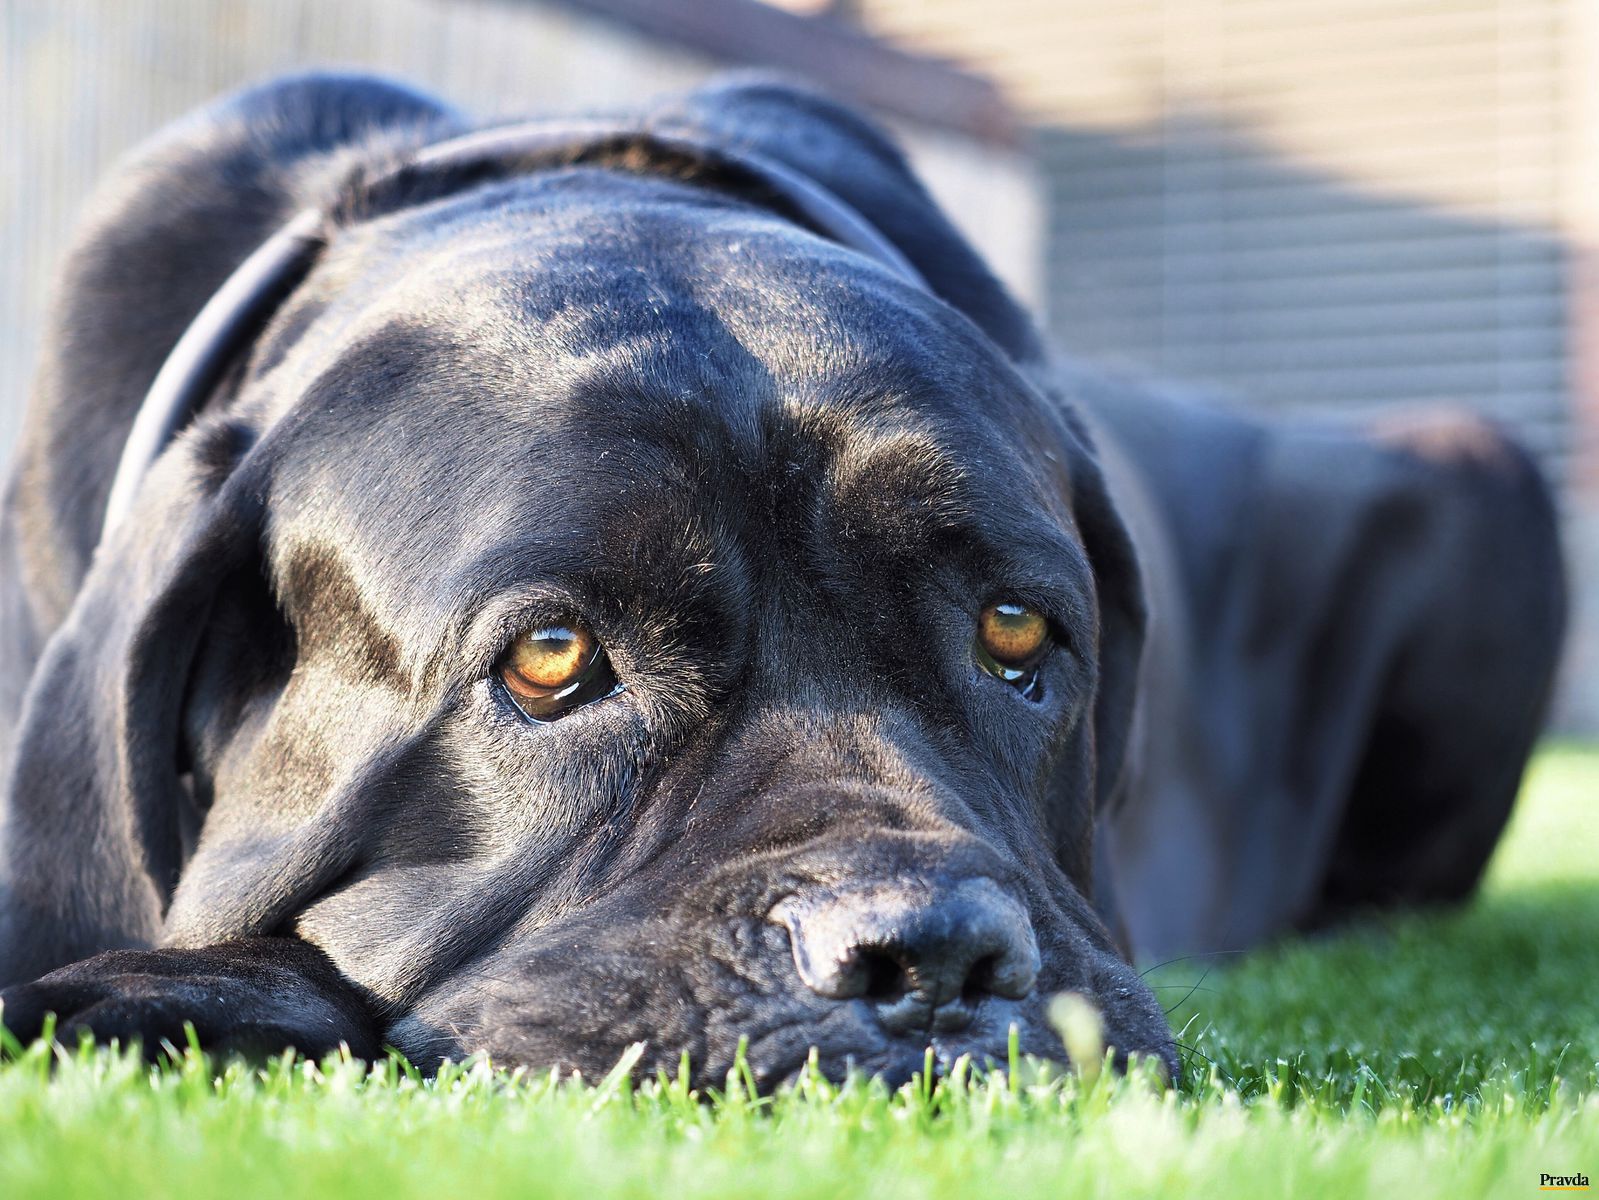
(925, 954)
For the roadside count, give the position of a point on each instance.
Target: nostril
(980, 979)
(883, 979)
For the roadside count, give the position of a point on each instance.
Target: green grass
(1444, 1054)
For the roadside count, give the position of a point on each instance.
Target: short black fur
(258, 738)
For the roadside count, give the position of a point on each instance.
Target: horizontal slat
(1470, 349)
(1227, 219)
(1087, 166)
(1464, 117)
(1263, 177)
(1130, 252)
(1397, 382)
(1367, 284)
(1510, 317)
(1280, 200)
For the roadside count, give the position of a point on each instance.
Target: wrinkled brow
(909, 471)
(908, 487)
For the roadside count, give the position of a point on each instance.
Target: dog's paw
(257, 997)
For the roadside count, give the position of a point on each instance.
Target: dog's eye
(551, 671)
(1012, 640)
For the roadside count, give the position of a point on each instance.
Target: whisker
(1186, 957)
(1195, 1050)
(1190, 993)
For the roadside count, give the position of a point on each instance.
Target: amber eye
(1011, 641)
(551, 671)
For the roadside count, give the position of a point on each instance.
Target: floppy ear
(1118, 584)
(856, 161)
(1088, 783)
(162, 233)
(94, 806)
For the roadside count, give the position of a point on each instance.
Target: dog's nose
(924, 956)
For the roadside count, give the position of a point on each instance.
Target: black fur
(257, 734)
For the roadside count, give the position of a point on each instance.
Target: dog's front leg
(256, 996)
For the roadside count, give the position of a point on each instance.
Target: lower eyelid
(503, 698)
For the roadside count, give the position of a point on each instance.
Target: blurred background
(1299, 205)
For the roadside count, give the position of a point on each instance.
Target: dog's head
(608, 611)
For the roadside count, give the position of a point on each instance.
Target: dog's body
(254, 741)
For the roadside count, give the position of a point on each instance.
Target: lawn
(1430, 1055)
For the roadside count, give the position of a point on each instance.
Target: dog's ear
(162, 233)
(1119, 593)
(94, 802)
(859, 163)
(1123, 616)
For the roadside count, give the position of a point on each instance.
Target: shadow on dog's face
(672, 628)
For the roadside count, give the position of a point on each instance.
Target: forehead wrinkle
(906, 470)
(915, 458)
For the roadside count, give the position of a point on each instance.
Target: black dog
(606, 603)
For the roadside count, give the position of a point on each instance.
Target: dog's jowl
(536, 589)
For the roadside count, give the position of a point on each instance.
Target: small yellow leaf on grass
(1081, 1029)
